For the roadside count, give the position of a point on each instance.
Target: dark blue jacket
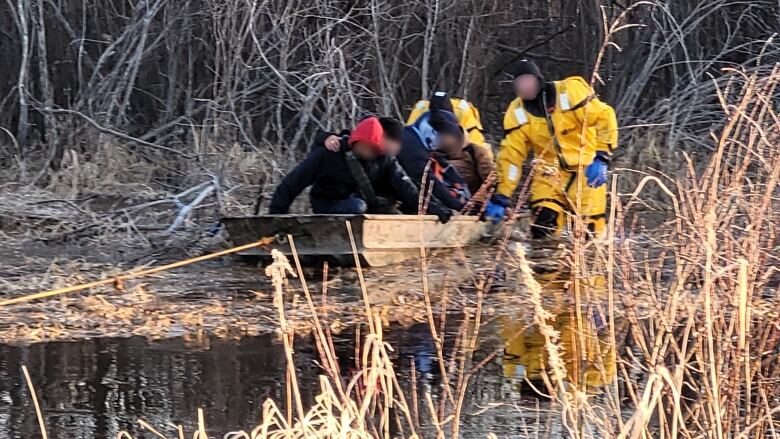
(414, 158)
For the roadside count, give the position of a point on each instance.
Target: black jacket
(414, 157)
(319, 138)
(329, 175)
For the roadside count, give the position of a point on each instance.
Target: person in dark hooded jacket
(391, 145)
(335, 188)
(392, 137)
(419, 141)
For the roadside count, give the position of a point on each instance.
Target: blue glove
(496, 208)
(596, 172)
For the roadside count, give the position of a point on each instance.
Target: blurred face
(392, 146)
(448, 143)
(364, 151)
(527, 87)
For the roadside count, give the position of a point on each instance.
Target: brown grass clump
(708, 362)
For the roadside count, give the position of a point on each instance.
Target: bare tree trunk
(82, 50)
(431, 23)
(49, 121)
(462, 76)
(385, 92)
(173, 46)
(23, 130)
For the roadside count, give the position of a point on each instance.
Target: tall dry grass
(708, 344)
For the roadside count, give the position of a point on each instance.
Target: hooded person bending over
(466, 113)
(419, 142)
(391, 144)
(343, 182)
(473, 157)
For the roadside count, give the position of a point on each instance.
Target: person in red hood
(392, 138)
(367, 139)
(346, 181)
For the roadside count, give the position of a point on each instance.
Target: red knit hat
(369, 130)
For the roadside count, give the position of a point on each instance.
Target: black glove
(444, 215)
(436, 208)
(385, 206)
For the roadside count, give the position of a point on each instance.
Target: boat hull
(378, 239)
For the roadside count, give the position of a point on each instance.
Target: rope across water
(118, 280)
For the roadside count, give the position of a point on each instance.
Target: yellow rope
(122, 277)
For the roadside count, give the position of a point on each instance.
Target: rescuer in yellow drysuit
(572, 134)
(465, 111)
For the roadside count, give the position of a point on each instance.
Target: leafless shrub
(177, 84)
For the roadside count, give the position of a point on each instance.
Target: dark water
(95, 388)
(98, 387)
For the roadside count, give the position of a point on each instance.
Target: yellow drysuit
(582, 125)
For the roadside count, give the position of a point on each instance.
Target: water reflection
(95, 388)
(587, 348)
